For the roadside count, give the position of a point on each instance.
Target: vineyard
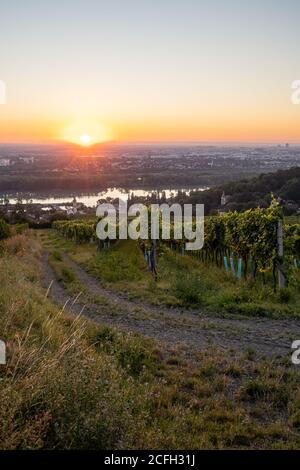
(77, 231)
(247, 239)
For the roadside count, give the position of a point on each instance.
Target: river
(90, 200)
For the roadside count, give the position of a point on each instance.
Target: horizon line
(155, 142)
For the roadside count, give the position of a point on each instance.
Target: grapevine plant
(249, 235)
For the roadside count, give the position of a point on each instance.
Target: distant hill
(252, 192)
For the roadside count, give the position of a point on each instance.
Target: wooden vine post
(281, 276)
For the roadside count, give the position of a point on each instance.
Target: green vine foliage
(250, 235)
(78, 231)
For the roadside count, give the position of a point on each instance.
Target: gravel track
(189, 330)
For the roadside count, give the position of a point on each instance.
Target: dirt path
(189, 330)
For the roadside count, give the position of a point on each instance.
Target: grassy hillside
(71, 384)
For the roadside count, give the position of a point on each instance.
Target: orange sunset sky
(149, 71)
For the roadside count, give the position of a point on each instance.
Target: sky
(149, 70)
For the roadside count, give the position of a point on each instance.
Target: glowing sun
(85, 139)
(85, 132)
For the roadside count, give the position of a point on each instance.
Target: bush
(284, 295)
(17, 245)
(189, 290)
(4, 230)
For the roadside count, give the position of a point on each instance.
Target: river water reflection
(90, 200)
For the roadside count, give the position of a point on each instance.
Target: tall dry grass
(69, 384)
(56, 390)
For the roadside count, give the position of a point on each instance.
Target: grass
(71, 384)
(182, 282)
(64, 274)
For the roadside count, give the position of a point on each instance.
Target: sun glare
(85, 139)
(86, 132)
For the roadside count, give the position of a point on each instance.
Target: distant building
(224, 199)
(27, 160)
(72, 210)
(4, 162)
(75, 205)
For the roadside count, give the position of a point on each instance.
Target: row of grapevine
(292, 240)
(77, 231)
(249, 236)
(80, 231)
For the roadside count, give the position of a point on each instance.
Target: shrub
(4, 230)
(284, 295)
(17, 245)
(189, 290)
